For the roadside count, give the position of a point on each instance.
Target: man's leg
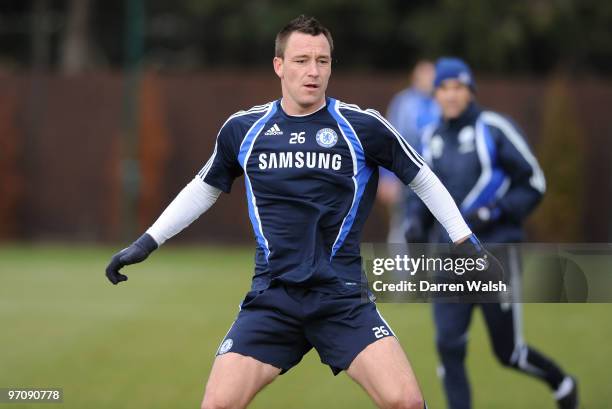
(235, 380)
(383, 371)
(452, 322)
(265, 339)
(504, 323)
(351, 335)
(510, 349)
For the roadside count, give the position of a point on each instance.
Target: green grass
(150, 342)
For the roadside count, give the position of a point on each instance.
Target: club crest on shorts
(226, 346)
(326, 137)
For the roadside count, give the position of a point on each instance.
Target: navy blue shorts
(279, 325)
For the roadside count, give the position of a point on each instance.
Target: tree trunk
(75, 47)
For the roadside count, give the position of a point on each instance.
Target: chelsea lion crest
(326, 137)
(225, 346)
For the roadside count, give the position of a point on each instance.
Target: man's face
(453, 97)
(304, 71)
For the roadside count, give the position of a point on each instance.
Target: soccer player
(310, 169)
(489, 169)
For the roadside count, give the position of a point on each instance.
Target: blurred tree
(562, 155)
(494, 35)
(11, 179)
(40, 29)
(76, 47)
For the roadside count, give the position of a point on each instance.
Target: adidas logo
(275, 130)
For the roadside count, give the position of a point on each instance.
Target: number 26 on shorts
(380, 332)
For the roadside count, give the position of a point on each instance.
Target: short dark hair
(303, 24)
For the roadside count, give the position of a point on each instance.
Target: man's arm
(419, 219)
(527, 179)
(216, 175)
(527, 182)
(440, 203)
(196, 198)
(385, 146)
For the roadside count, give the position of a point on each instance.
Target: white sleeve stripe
(253, 110)
(208, 164)
(537, 179)
(353, 107)
(350, 106)
(399, 137)
(256, 109)
(243, 113)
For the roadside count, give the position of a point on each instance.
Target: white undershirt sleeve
(440, 203)
(195, 198)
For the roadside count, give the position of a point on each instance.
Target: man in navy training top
(491, 172)
(310, 169)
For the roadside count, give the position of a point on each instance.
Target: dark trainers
(567, 394)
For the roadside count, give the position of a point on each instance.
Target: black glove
(471, 248)
(137, 252)
(482, 218)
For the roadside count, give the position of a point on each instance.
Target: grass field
(149, 343)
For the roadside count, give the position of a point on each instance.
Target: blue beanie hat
(453, 68)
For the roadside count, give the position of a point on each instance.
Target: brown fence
(60, 148)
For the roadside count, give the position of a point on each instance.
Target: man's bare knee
(212, 401)
(234, 380)
(215, 398)
(404, 401)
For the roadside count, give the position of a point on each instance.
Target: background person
(490, 171)
(410, 112)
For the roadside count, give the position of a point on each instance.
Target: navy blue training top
(310, 184)
(483, 160)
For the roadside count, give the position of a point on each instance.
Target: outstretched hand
(135, 253)
(471, 248)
